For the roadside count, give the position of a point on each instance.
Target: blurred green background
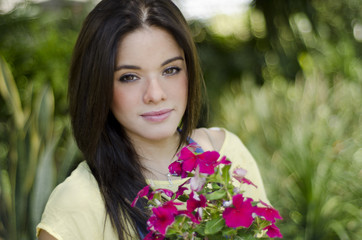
(285, 76)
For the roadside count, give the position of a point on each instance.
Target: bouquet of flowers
(211, 207)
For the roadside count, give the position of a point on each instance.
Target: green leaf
(44, 181)
(262, 223)
(171, 231)
(183, 198)
(5, 190)
(220, 194)
(44, 114)
(200, 229)
(229, 232)
(214, 226)
(225, 173)
(10, 93)
(215, 237)
(215, 186)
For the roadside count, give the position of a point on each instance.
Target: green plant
(212, 206)
(307, 138)
(37, 152)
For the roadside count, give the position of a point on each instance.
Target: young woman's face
(150, 84)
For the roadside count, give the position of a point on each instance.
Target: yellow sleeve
(75, 209)
(239, 155)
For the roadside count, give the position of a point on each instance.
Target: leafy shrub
(38, 152)
(307, 138)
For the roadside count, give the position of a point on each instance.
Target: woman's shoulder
(75, 209)
(210, 139)
(217, 139)
(76, 190)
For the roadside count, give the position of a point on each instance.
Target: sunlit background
(285, 76)
(192, 9)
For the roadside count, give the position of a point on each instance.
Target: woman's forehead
(148, 45)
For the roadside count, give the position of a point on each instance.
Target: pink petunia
(181, 189)
(162, 217)
(154, 236)
(268, 212)
(273, 231)
(142, 193)
(189, 159)
(207, 161)
(146, 192)
(197, 182)
(175, 169)
(247, 181)
(241, 214)
(189, 215)
(195, 201)
(239, 174)
(224, 161)
(166, 191)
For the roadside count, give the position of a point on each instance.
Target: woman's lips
(157, 116)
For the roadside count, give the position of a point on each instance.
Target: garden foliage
(287, 80)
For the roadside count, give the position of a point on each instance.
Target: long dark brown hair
(102, 140)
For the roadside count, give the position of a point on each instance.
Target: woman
(135, 95)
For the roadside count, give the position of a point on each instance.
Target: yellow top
(75, 209)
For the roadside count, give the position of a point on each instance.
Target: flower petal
(269, 213)
(197, 182)
(175, 168)
(186, 154)
(154, 236)
(247, 181)
(161, 218)
(195, 201)
(207, 162)
(166, 191)
(143, 192)
(224, 161)
(273, 231)
(189, 215)
(240, 214)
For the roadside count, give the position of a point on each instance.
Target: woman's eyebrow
(126, 67)
(137, 68)
(172, 59)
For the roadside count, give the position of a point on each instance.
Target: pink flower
(269, 213)
(154, 236)
(189, 215)
(247, 181)
(166, 191)
(181, 189)
(146, 192)
(162, 217)
(143, 192)
(189, 160)
(239, 174)
(240, 214)
(273, 231)
(207, 161)
(195, 201)
(197, 182)
(175, 169)
(224, 161)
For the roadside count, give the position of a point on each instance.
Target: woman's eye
(171, 71)
(128, 78)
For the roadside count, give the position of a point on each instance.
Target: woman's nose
(154, 92)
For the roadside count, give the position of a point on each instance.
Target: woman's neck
(157, 151)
